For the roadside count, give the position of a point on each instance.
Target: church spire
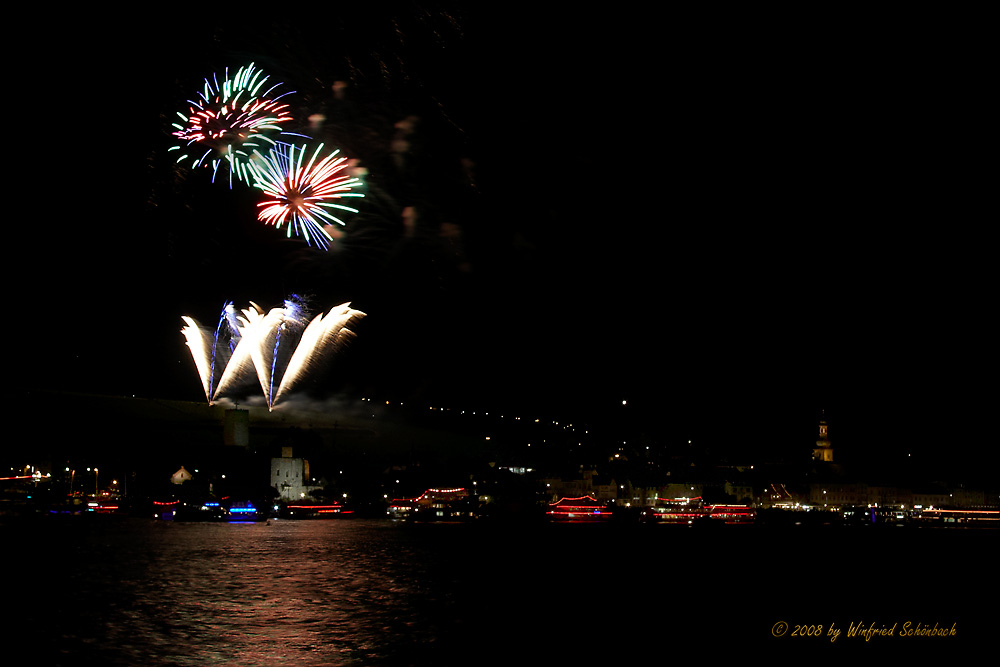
(823, 451)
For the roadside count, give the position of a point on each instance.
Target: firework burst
(303, 198)
(281, 347)
(229, 121)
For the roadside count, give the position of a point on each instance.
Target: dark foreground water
(82, 590)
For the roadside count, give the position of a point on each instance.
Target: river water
(373, 592)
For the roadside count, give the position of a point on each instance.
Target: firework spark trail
(294, 320)
(231, 120)
(212, 351)
(259, 352)
(241, 363)
(221, 356)
(277, 335)
(321, 337)
(232, 318)
(301, 196)
(197, 342)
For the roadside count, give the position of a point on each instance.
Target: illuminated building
(290, 476)
(180, 476)
(836, 494)
(587, 483)
(823, 451)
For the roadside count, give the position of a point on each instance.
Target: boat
(314, 511)
(434, 505)
(675, 511)
(732, 514)
(579, 510)
(694, 512)
(211, 511)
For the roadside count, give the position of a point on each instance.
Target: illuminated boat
(245, 511)
(314, 511)
(400, 508)
(177, 510)
(165, 509)
(438, 505)
(199, 511)
(967, 518)
(732, 514)
(694, 512)
(106, 507)
(581, 509)
(678, 511)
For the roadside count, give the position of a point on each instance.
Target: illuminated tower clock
(823, 451)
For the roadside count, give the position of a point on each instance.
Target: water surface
(373, 592)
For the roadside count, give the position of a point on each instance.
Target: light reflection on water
(302, 593)
(371, 593)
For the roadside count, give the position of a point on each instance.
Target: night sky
(731, 221)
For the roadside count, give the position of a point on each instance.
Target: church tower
(823, 451)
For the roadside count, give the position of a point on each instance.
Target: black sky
(728, 220)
